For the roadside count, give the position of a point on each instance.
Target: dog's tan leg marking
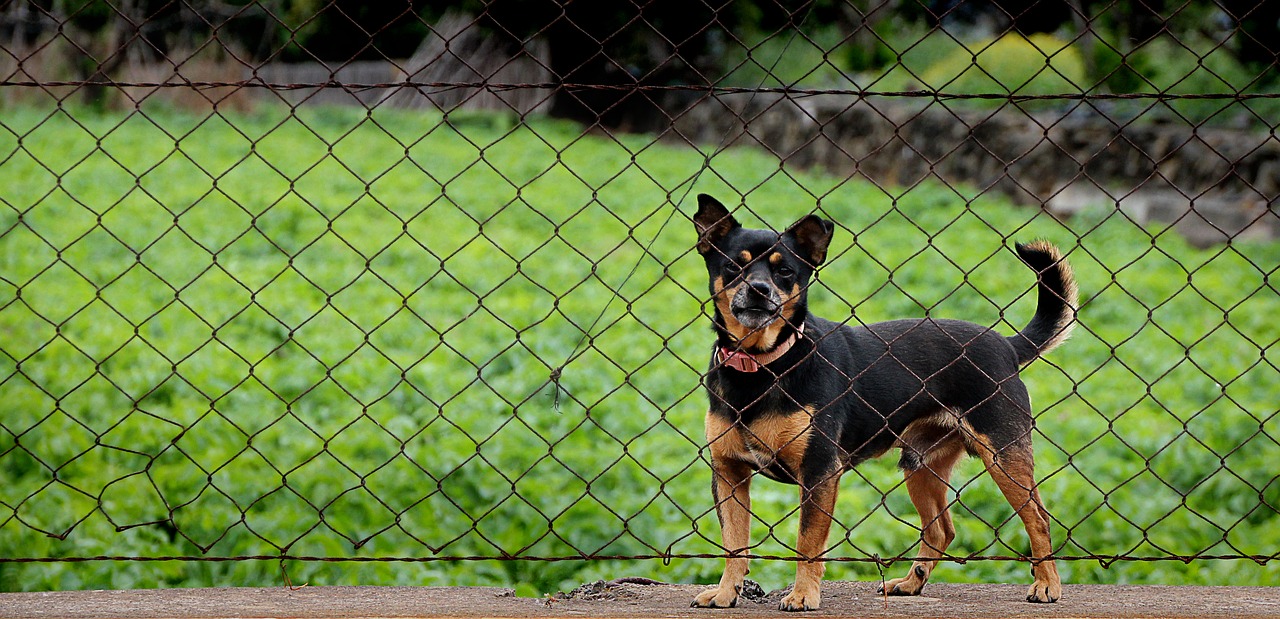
(928, 488)
(731, 489)
(1013, 470)
(817, 503)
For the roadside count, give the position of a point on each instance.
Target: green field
(331, 334)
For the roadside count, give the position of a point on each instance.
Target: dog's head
(759, 278)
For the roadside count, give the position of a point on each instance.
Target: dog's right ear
(713, 222)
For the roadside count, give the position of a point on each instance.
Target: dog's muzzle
(756, 305)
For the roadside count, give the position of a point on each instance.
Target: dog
(800, 399)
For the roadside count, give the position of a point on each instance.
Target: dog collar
(747, 362)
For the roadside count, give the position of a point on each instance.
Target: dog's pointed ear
(812, 235)
(712, 221)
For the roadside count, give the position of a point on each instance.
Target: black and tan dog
(801, 399)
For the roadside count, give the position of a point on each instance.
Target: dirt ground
(632, 599)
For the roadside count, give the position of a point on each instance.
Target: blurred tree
(601, 50)
(341, 31)
(1259, 41)
(614, 45)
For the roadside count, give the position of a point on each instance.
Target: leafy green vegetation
(332, 334)
(907, 56)
(1035, 65)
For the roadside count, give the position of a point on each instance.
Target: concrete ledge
(840, 599)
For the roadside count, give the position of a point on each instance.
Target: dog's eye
(732, 270)
(786, 272)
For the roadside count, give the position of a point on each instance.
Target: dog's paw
(801, 598)
(911, 584)
(902, 586)
(1044, 591)
(716, 597)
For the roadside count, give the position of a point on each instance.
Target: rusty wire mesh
(389, 284)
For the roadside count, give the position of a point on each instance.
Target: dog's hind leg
(928, 487)
(1013, 469)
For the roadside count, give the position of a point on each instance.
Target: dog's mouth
(755, 318)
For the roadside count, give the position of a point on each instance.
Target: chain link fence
(392, 293)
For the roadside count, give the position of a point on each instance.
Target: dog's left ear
(812, 235)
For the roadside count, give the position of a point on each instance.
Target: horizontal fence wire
(323, 282)
(793, 91)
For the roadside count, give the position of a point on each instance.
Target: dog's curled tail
(1056, 308)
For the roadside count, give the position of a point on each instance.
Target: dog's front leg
(731, 489)
(817, 503)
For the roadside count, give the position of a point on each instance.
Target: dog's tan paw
(802, 598)
(1044, 591)
(902, 586)
(911, 584)
(717, 597)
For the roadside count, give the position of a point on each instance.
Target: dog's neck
(747, 362)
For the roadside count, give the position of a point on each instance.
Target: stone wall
(1212, 184)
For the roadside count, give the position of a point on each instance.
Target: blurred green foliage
(904, 55)
(331, 333)
(1012, 64)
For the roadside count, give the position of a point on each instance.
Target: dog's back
(878, 379)
(946, 373)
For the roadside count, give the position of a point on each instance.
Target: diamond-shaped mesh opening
(416, 283)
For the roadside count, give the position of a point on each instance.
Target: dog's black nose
(761, 288)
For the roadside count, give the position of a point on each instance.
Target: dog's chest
(772, 443)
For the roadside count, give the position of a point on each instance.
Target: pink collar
(747, 362)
